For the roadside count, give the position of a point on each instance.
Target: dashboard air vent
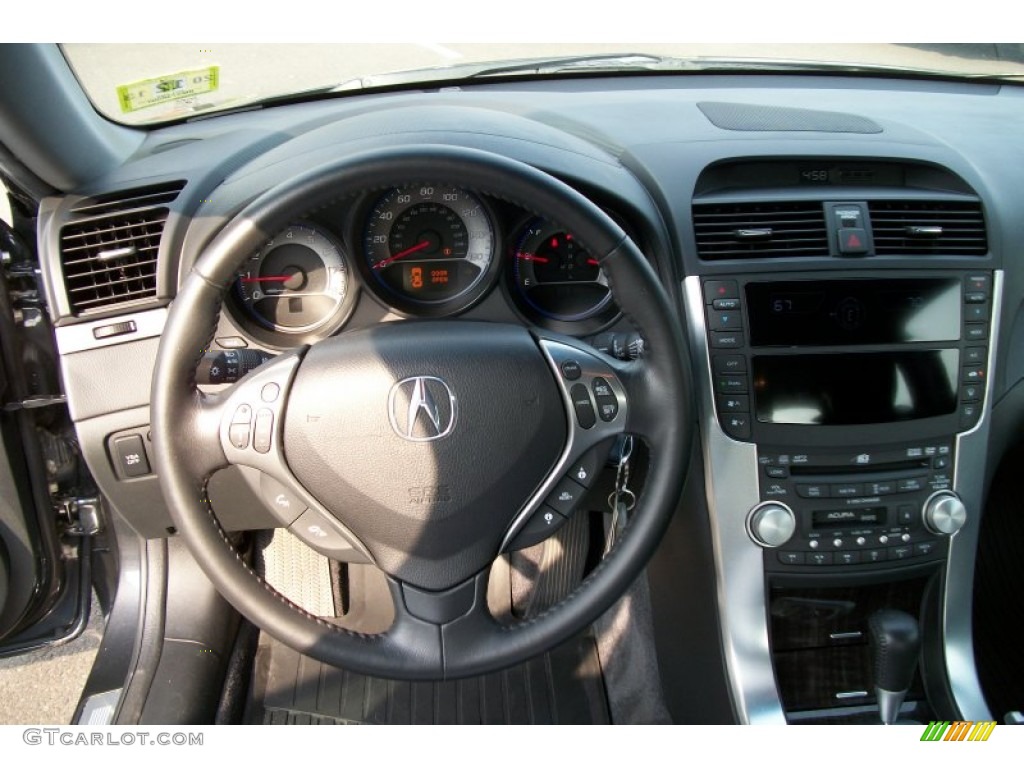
(760, 230)
(109, 247)
(928, 227)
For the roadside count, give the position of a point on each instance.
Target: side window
(5, 204)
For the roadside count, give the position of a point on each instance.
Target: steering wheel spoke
(597, 411)
(439, 625)
(251, 412)
(246, 423)
(440, 608)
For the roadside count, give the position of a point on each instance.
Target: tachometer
(431, 248)
(556, 280)
(297, 283)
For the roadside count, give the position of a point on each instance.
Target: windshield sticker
(161, 90)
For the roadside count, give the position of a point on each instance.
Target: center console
(838, 401)
(821, 374)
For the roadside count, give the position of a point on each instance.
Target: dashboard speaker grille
(757, 117)
(928, 227)
(109, 247)
(760, 230)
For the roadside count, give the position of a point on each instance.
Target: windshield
(153, 83)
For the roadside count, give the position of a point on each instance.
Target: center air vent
(109, 247)
(760, 230)
(928, 227)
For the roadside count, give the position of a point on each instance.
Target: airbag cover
(432, 510)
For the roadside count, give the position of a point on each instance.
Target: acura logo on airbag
(421, 409)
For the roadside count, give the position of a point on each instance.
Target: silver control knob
(944, 513)
(771, 524)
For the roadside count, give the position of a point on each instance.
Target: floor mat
(561, 687)
(998, 599)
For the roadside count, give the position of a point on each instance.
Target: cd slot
(891, 470)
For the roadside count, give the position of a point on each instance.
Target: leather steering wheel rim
(185, 421)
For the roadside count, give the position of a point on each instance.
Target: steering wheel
(427, 446)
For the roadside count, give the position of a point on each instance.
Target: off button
(130, 454)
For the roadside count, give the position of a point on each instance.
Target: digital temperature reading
(814, 176)
(854, 311)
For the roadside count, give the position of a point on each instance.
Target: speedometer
(430, 247)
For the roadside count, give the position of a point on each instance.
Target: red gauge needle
(533, 257)
(268, 279)
(401, 254)
(593, 262)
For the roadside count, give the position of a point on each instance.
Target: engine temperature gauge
(555, 278)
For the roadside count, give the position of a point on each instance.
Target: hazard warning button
(853, 241)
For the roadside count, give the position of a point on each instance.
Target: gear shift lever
(895, 643)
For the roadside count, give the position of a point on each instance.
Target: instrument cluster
(421, 250)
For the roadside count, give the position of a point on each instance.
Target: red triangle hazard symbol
(853, 241)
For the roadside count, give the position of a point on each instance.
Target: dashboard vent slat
(793, 229)
(103, 270)
(102, 303)
(119, 202)
(110, 259)
(112, 231)
(930, 227)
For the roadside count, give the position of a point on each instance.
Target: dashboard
(842, 253)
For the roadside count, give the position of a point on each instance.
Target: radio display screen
(845, 518)
(845, 312)
(855, 388)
